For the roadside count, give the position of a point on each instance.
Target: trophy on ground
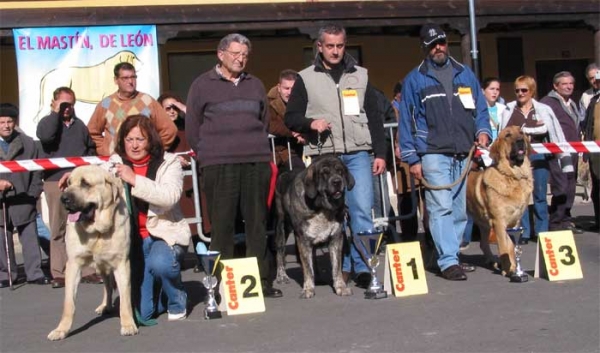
(368, 243)
(209, 260)
(519, 276)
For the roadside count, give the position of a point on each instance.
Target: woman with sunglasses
(537, 121)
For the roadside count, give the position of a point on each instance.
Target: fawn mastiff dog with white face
(97, 233)
(497, 196)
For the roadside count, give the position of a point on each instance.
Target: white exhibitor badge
(350, 99)
(466, 98)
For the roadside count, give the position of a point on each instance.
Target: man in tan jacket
(278, 97)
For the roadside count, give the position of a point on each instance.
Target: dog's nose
(64, 198)
(336, 182)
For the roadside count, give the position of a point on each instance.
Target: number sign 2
(241, 287)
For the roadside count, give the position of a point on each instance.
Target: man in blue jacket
(443, 114)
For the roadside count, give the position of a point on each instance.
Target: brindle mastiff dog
(498, 195)
(98, 233)
(310, 203)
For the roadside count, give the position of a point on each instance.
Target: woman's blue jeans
(541, 173)
(161, 287)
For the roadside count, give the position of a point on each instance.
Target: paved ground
(484, 314)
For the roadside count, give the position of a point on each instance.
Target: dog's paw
(493, 265)
(129, 330)
(343, 291)
(282, 278)
(307, 294)
(57, 335)
(103, 309)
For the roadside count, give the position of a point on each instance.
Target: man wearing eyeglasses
(126, 101)
(226, 125)
(443, 113)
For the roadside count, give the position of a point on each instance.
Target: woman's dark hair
(155, 147)
(488, 81)
(167, 95)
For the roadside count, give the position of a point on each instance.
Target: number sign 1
(559, 254)
(241, 286)
(404, 267)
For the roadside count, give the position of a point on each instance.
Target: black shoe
(575, 230)
(454, 273)
(41, 281)
(58, 283)
(363, 280)
(523, 241)
(467, 267)
(594, 228)
(270, 292)
(4, 284)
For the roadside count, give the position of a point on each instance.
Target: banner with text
(82, 58)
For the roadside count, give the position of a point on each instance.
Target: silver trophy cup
(209, 260)
(368, 243)
(519, 276)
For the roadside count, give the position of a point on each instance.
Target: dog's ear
(115, 186)
(528, 148)
(496, 149)
(310, 184)
(349, 178)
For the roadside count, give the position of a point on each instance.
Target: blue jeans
(359, 201)
(162, 266)
(447, 208)
(43, 234)
(540, 204)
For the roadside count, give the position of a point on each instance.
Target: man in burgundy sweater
(562, 185)
(226, 125)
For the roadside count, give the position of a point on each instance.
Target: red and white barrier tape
(566, 147)
(561, 147)
(32, 165)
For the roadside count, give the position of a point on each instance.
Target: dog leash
(320, 142)
(128, 198)
(460, 178)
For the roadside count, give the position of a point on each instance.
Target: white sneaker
(176, 317)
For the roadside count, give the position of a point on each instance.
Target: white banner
(82, 58)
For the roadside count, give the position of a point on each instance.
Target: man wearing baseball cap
(448, 113)
(18, 193)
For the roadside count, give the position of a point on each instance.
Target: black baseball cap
(432, 33)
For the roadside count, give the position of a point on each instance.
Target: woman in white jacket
(538, 121)
(160, 235)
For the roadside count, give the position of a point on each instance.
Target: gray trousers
(32, 256)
